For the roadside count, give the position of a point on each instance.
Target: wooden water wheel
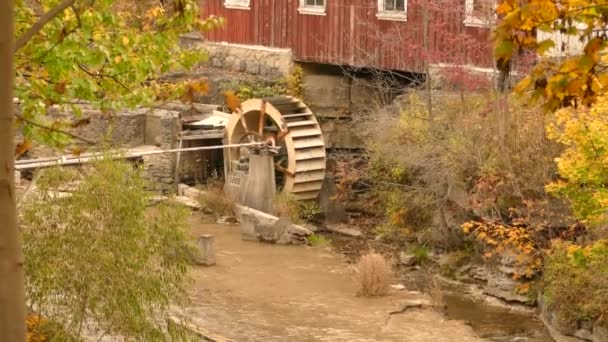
(285, 122)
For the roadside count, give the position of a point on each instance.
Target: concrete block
(181, 188)
(260, 188)
(17, 177)
(248, 223)
(206, 254)
(333, 211)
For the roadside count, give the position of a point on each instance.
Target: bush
(100, 258)
(474, 158)
(317, 240)
(374, 275)
(421, 253)
(286, 205)
(575, 282)
(583, 165)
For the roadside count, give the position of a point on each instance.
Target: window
(392, 10)
(237, 4)
(315, 7)
(479, 12)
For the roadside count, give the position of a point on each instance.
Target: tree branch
(44, 19)
(72, 135)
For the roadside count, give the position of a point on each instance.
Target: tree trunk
(12, 297)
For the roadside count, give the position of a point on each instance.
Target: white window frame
(238, 4)
(471, 20)
(396, 15)
(312, 9)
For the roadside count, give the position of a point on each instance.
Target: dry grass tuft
(374, 275)
(215, 199)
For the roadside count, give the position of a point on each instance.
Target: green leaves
(544, 46)
(108, 53)
(100, 256)
(504, 50)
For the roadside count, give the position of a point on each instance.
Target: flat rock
(600, 333)
(193, 193)
(398, 287)
(584, 334)
(509, 296)
(188, 202)
(345, 231)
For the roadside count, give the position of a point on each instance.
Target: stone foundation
(255, 60)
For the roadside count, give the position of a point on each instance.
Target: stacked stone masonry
(255, 60)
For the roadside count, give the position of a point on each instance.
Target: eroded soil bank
(262, 292)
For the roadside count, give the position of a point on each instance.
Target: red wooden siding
(350, 33)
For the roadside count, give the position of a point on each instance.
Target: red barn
(400, 35)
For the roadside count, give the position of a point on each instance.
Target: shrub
(374, 275)
(575, 281)
(475, 158)
(317, 240)
(421, 253)
(101, 259)
(286, 205)
(583, 165)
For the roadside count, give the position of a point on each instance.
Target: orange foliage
(23, 147)
(232, 100)
(34, 333)
(516, 238)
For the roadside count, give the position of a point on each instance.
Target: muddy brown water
(263, 292)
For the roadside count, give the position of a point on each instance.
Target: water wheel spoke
(280, 168)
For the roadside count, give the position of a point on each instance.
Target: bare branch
(52, 129)
(44, 19)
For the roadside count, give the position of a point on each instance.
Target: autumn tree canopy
(105, 52)
(543, 25)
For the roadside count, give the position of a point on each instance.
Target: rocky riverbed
(267, 292)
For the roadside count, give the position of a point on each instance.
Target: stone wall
(121, 129)
(159, 169)
(141, 128)
(124, 129)
(343, 105)
(255, 60)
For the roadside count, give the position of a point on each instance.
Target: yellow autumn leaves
(583, 165)
(577, 77)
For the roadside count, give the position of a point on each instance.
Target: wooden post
(177, 164)
(206, 255)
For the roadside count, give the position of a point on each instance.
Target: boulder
(407, 259)
(259, 226)
(600, 331)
